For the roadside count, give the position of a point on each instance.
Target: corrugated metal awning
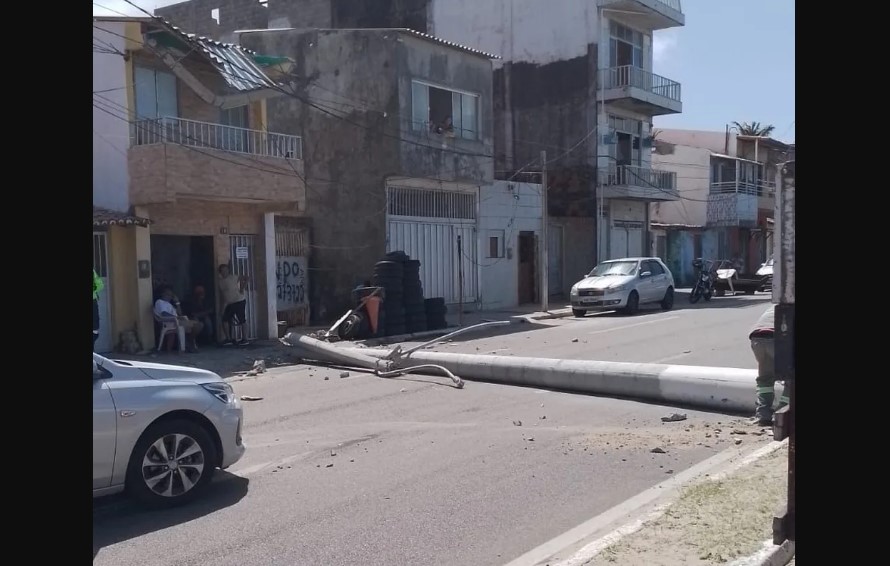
(237, 65)
(103, 217)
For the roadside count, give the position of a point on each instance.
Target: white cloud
(663, 44)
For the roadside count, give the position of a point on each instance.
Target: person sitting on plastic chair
(168, 306)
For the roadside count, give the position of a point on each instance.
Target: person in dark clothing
(764, 348)
(197, 308)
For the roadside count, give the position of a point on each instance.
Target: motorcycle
(704, 282)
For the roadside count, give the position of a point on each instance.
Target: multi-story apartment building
(187, 176)
(727, 184)
(575, 80)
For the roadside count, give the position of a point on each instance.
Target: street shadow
(681, 301)
(517, 325)
(118, 519)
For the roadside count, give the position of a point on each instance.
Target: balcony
(172, 158)
(645, 14)
(735, 203)
(637, 183)
(632, 88)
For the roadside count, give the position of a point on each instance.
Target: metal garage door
(427, 225)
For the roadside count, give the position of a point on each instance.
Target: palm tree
(754, 129)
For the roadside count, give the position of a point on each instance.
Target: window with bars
(424, 203)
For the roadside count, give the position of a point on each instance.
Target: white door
(618, 242)
(554, 259)
(635, 242)
(426, 224)
(243, 254)
(105, 342)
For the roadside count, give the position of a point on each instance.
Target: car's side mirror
(645, 274)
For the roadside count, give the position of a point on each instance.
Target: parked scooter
(704, 282)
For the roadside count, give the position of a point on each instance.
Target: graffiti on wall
(291, 282)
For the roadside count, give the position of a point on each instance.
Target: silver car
(160, 431)
(624, 284)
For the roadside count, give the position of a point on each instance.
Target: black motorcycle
(704, 282)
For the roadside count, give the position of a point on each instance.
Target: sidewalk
(722, 519)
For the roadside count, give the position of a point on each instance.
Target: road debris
(517, 423)
(331, 465)
(543, 417)
(674, 417)
(738, 441)
(333, 453)
(658, 450)
(574, 339)
(738, 431)
(344, 374)
(530, 439)
(326, 378)
(402, 390)
(250, 398)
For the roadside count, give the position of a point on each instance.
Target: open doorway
(526, 267)
(184, 263)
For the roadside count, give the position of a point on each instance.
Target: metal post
(460, 282)
(545, 243)
(783, 290)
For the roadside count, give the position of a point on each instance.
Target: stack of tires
(389, 274)
(435, 310)
(415, 311)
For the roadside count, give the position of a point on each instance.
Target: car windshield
(614, 268)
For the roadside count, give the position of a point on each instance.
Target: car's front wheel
(172, 463)
(579, 312)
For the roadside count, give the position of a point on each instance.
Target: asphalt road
(713, 333)
(420, 473)
(365, 471)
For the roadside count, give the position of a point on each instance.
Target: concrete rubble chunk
(517, 423)
(674, 418)
(658, 450)
(344, 374)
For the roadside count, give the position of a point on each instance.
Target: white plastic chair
(170, 325)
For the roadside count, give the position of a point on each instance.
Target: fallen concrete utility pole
(311, 349)
(722, 389)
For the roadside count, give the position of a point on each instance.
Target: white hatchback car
(624, 284)
(160, 431)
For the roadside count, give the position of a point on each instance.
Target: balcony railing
(758, 188)
(634, 176)
(217, 136)
(630, 76)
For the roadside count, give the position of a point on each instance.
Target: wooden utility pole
(786, 353)
(545, 243)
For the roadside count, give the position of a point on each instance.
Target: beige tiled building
(188, 177)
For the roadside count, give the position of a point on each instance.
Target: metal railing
(628, 75)
(635, 176)
(216, 136)
(759, 188)
(672, 4)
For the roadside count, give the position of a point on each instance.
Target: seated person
(446, 127)
(197, 308)
(168, 307)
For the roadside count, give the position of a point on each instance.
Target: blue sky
(735, 61)
(734, 58)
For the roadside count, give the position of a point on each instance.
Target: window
(627, 140)
(654, 268)
(234, 138)
(625, 46)
(495, 244)
(444, 112)
(155, 94)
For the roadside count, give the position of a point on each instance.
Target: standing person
(234, 302)
(764, 347)
(98, 285)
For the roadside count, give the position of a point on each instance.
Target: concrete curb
(770, 555)
(386, 340)
(715, 388)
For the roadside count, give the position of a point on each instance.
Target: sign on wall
(290, 275)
